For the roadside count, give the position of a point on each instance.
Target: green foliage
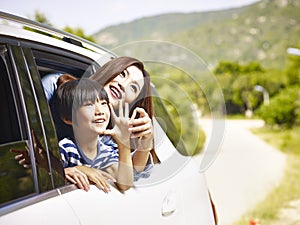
(283, 109)
(238, 82)
(293, 70)
(41, 18)
(179, 92)
(231, 68)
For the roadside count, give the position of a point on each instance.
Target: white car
(175, 193)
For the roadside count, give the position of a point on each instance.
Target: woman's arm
(142, 129)
(123, 171)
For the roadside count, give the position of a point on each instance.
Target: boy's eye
(88, 103)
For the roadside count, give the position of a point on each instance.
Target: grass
(288, 141)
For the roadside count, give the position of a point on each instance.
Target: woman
(125, 79)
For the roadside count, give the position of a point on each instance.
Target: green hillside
(259, 32)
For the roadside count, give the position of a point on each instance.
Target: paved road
(245, 170)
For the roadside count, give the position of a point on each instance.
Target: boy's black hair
(71, 95)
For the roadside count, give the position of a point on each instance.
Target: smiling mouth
(115, 92)
(99, 121)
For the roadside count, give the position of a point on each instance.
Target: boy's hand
(77, 177)
(22, 157)
(39, 154)
(97, 177)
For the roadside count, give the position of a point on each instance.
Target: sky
(93, 15)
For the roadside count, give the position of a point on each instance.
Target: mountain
(259, 32)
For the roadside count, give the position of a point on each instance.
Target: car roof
(17, 27)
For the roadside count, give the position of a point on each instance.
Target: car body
(175, 193)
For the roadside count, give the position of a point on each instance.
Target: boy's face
(92, 117)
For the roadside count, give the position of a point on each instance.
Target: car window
(15, 181)
(165, 121)
(51, 63)
(62, 62)
(49, 134)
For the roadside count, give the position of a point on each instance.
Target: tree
(238, 83)
(41, 18)
(283, 109)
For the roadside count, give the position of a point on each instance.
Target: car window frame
(25, 61)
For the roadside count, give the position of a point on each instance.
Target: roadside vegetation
(268, 212)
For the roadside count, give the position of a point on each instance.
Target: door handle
(169, 204)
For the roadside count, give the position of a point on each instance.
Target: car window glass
(33, 116)
(8, 118)
(15, 181)
(47, 123)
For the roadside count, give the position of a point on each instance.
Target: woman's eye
(134, 88)
(123, 74)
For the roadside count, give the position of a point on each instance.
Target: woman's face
(125, 86)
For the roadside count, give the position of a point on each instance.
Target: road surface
(244, 171)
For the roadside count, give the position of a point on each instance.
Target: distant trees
(238, 85)
(284, 108)
(41, 18)
(238, 82)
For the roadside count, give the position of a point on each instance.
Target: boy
(84, 105)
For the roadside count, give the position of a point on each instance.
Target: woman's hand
(142, 129)
(120, 131)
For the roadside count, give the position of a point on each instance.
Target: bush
(284, 108)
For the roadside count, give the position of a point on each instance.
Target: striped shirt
(72, 155)
(107, 155)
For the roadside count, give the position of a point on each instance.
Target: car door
(175, 193)
(27, 195)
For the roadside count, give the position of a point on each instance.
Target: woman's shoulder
(49, 84)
